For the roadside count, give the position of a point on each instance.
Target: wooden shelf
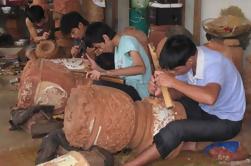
(14, 22)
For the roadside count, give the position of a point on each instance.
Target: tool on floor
(14, 80)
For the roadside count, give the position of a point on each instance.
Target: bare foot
(190, 146)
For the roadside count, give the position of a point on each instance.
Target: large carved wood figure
(44, 82)
(108, 118)
(47, 83)
(52, 49)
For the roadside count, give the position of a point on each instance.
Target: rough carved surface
(48, 93)
(103, 116)
(98, 115)
(151, 116)
(43, 73)
(143, 133)
(46, 49)
(71, 63)
(66, 6)
(162, 116)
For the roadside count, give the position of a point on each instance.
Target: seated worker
(74, 24)
(211, 91)
(130, 59)
(39, 25)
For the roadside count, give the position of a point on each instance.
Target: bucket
(139, 3)
(139, 19)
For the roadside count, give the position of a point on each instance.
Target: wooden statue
(108, 118)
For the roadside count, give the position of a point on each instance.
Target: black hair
(95, 31)
(71, 20)
(106, 61)
(35, 13)
(176, 51)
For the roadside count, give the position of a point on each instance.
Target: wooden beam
(183, 12)
(114, 14)
(197, 21)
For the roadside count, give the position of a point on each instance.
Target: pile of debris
(11, 66)
(231, 23)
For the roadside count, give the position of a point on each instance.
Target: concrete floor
(18, 149)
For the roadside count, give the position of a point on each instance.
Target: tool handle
(105, 78)
(164, 90)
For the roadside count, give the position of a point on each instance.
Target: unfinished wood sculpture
(92, 12)
(44, 82)
(50, 49)
(50, 82)
(108, 117)
(46, 49)
(97, 117)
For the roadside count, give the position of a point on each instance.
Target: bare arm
(203, 94)
(207, 94)
(137, 68)
(175, 94)
(147, 156)
(33, 32)
(155, 90)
